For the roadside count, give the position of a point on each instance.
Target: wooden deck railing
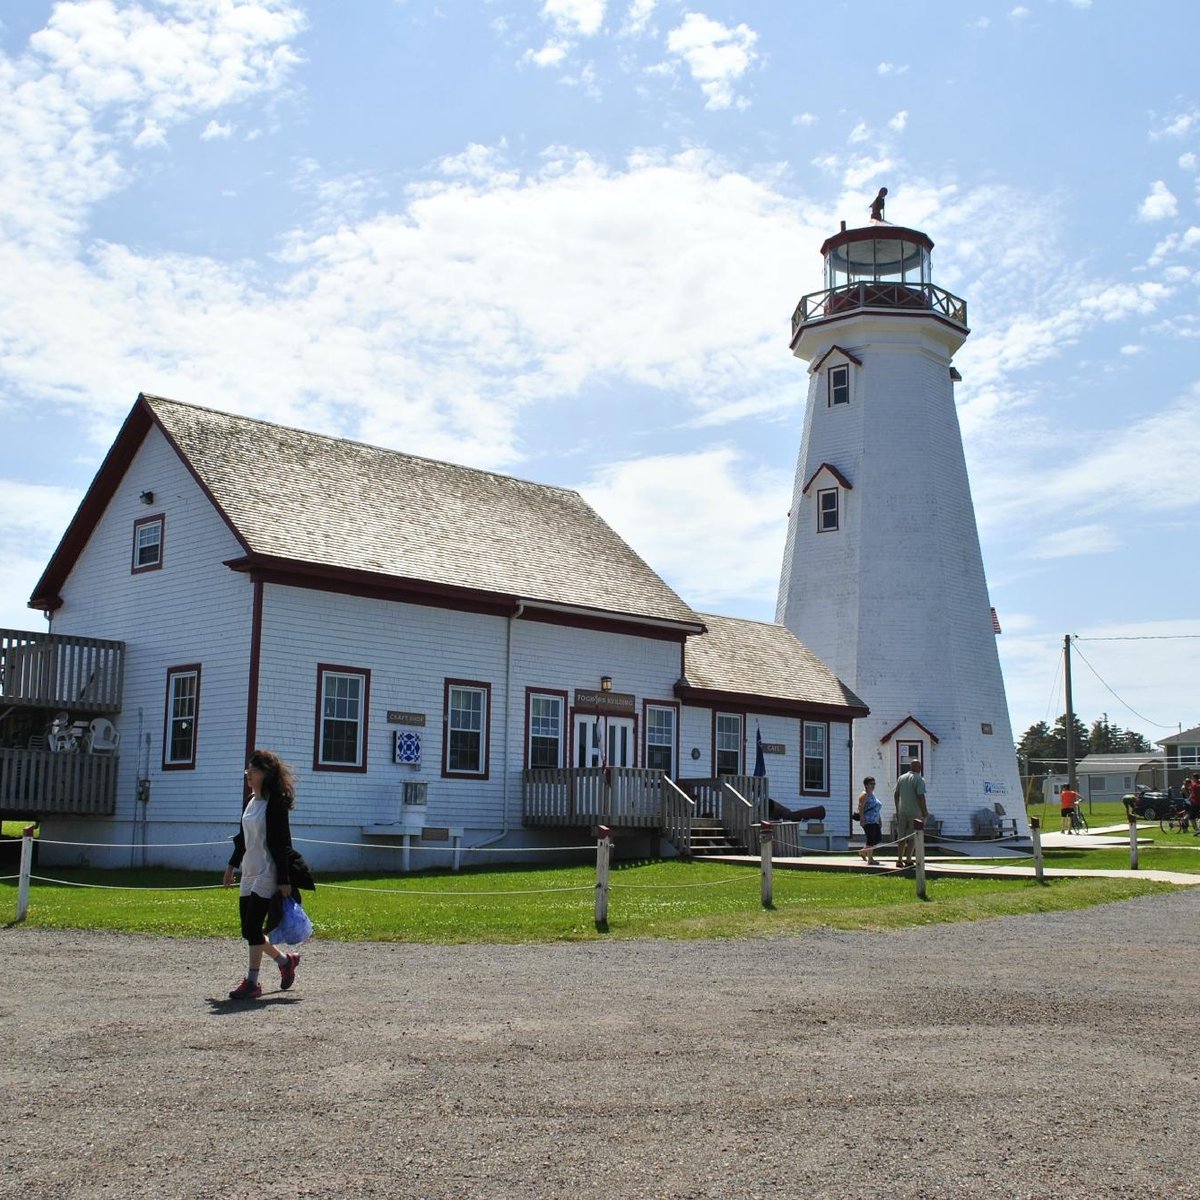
(42, 783)
(50, 670)
(866, 294)
(620, 796)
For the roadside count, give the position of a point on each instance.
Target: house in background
(1109, 777)
(449, 658)
(1182, 752)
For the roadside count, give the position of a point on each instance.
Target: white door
(591, 732)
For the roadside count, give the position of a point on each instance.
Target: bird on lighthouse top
(877, 205)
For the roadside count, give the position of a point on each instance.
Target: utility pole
(1071, 777)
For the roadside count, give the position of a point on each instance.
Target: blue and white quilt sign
(407, 748)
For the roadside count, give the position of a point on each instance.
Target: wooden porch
(641, 798)
(55, 693)
(46, 783)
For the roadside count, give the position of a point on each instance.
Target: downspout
(850, 747)
(504, 823)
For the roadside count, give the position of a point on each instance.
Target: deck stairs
(708, 838)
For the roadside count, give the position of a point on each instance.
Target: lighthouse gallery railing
(834, 302)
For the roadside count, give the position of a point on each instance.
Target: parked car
(1152, 804)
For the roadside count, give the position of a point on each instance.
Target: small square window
(827, 510)
(839, 385)
(148, 536)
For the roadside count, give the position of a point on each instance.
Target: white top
(258, 867)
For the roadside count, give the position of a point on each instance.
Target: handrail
(738, 818)
(52, 670)
(678, 810)
(836, 301)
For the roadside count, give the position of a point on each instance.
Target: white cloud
(887, 68)
(859, 133)
(550, 55)
(1019, 13)
(716, 55)
(581, 18)
(152, 134)
(899, 121)
(217, 129)
(1180, 125)
(1075, 542)
(669, 505)
(1189, 161)
(805, 118)
(637, 17)
(1159, 204)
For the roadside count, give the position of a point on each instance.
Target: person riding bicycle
(1069, 799)
(1191, 791)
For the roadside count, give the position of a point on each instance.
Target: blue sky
(564, 239)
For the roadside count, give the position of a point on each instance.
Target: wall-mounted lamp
(606, 683)
(147, 497)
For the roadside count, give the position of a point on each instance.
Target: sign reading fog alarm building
(604, 702)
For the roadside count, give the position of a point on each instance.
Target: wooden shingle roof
(760, 663)
(343, 508)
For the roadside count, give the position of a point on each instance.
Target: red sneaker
(287, 972)
(246, 991)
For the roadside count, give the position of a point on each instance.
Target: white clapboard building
(882, 576)
(450, 659)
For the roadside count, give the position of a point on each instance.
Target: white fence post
(919, 841)
(1133, 866)
(1035, 831)
(26, 869)
(603, 849)
(768, 870)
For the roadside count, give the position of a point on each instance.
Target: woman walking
(870, 816)
(262, 847)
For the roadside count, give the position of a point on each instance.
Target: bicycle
(1078, 820)
(1177, 821)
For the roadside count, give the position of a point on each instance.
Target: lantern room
(877, 254)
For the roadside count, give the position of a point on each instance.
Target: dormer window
(827, 510)
(839, 385)
(148, 536)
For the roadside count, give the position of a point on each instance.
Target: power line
(1147, 637)
(1156, 724)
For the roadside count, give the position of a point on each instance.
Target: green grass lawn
(653, 899)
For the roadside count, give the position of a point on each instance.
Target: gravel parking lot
(1031, 1056)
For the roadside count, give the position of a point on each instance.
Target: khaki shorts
(904, 825)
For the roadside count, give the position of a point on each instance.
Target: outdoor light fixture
(606, 683)
(147, 497)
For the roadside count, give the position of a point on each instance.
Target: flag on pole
(760, 763)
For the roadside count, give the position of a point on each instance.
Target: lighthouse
(882, 573)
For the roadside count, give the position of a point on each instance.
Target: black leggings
(253, 910)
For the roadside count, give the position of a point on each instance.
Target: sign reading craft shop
(604, 702)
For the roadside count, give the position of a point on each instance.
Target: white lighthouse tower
(882, 573)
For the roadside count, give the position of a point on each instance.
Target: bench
(407, 830)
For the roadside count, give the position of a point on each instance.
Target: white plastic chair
(102, 737)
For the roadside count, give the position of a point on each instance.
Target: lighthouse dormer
(881, 268)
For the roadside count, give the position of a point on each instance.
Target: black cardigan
(279, 840)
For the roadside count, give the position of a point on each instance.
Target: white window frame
(838, 382)
(654, 740)
(466, 687)
(173, 717)
(717, 737)
(559, 701)
(825, 510)
(815, 727)
(145, 525)
(327, 674)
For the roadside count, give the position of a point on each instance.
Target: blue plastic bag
(294, 926)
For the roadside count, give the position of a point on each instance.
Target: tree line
(1043, 749)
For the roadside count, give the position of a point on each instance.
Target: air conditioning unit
(416, 791)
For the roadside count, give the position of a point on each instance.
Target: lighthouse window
(827, 510)
(839, 385)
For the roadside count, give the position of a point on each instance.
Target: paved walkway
(965, 861)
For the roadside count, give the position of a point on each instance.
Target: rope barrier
(446, 849)
(118, 887)
(346, 887)
(41, 841)
(4, 877)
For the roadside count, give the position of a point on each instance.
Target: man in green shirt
(909, 795)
